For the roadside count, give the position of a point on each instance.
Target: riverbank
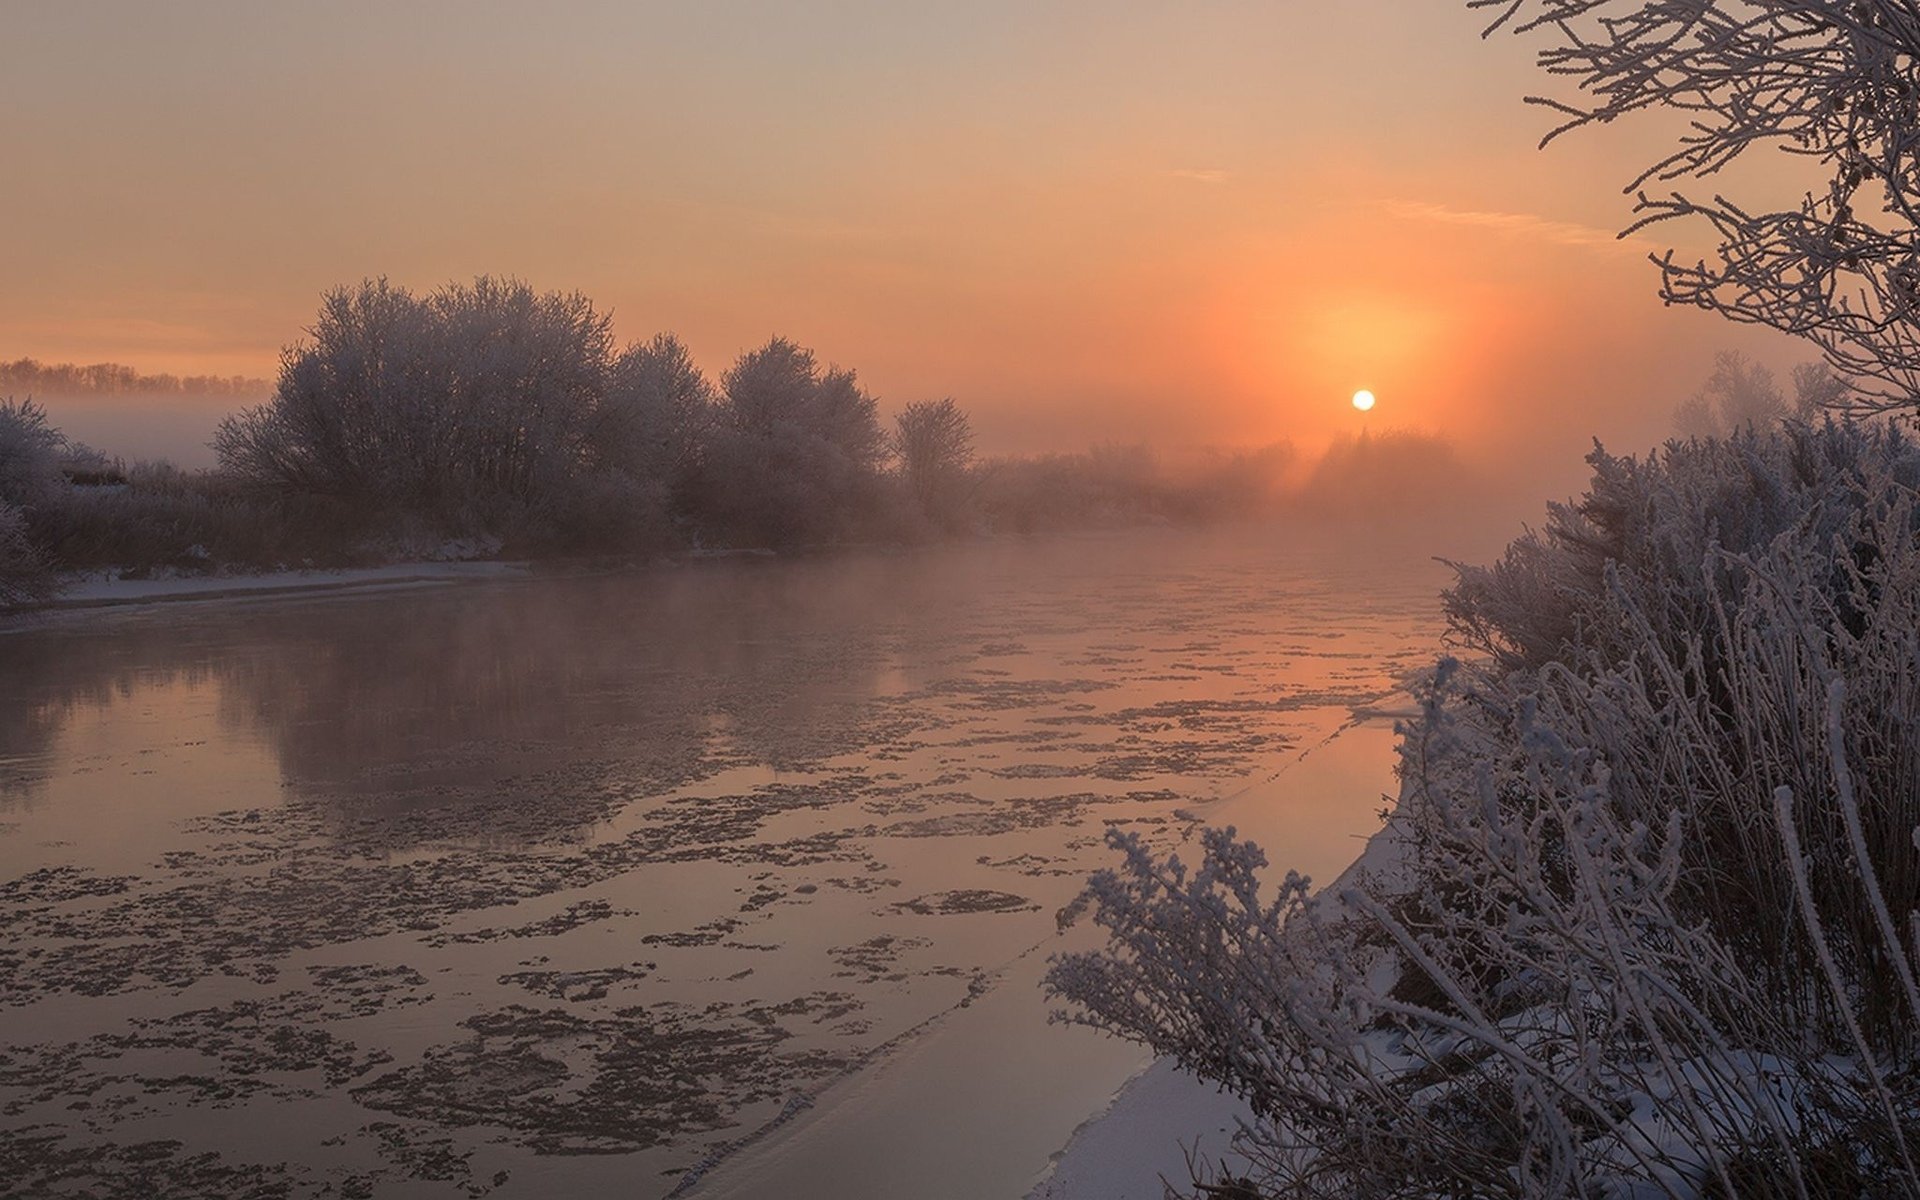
(1161, 1127)
(99, 591)
(1165, 1126)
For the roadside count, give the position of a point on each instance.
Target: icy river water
(728, 879)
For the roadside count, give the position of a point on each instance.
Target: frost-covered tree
(657, 410)
(1740, 394)
(795, 451)
(1817, 390)
(1745, 393)
(24, 577)
(30, 450)
(1830, 82)
(362, 408)
(933, 440)
(526, 371)
(475, 395)
(769, 387)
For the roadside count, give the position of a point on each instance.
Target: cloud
(1564, 233)
(1200, 174)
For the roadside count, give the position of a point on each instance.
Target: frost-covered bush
(1662, 534)
(1650, 907)
(161, 517)
(24, 577)
(30, 451)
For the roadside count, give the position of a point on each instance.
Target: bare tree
(1830, 81)
(107, 379)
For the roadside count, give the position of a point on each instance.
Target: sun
(1363, 400)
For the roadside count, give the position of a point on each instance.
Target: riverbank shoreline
(1165, 1127)
(99, 592)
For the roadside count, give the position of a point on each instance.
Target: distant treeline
(30, 377)
(491, 419)
(1742, 394)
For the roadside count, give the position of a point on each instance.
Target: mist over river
(647, 882)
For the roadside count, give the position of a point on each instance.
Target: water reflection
(458, 687)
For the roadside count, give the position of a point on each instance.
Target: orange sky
(1185, 224)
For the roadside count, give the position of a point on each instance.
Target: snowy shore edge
(99, 592)
(1163, 1122)
(1160, 1125)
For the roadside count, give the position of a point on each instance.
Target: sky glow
(1083, 221)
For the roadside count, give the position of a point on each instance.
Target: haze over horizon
(1087, 223)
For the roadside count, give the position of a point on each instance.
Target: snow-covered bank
(98, 592)
(1608, 964)
(1163, 1122)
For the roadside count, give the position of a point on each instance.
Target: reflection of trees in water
(483, 687)
(51, 674)
(565, 691)
(622, 666)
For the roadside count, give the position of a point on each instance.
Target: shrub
(163, 517)
(1653, 926)
(30, 451)
(24, 577)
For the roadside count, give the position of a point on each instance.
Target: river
(722, 879)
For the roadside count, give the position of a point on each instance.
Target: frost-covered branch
(1833, 82)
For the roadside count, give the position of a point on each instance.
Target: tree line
(489, 418)
(1743, 394)
(488, 409)
(29, 377)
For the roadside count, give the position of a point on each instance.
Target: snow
(1162, 1120)
(99, 592)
